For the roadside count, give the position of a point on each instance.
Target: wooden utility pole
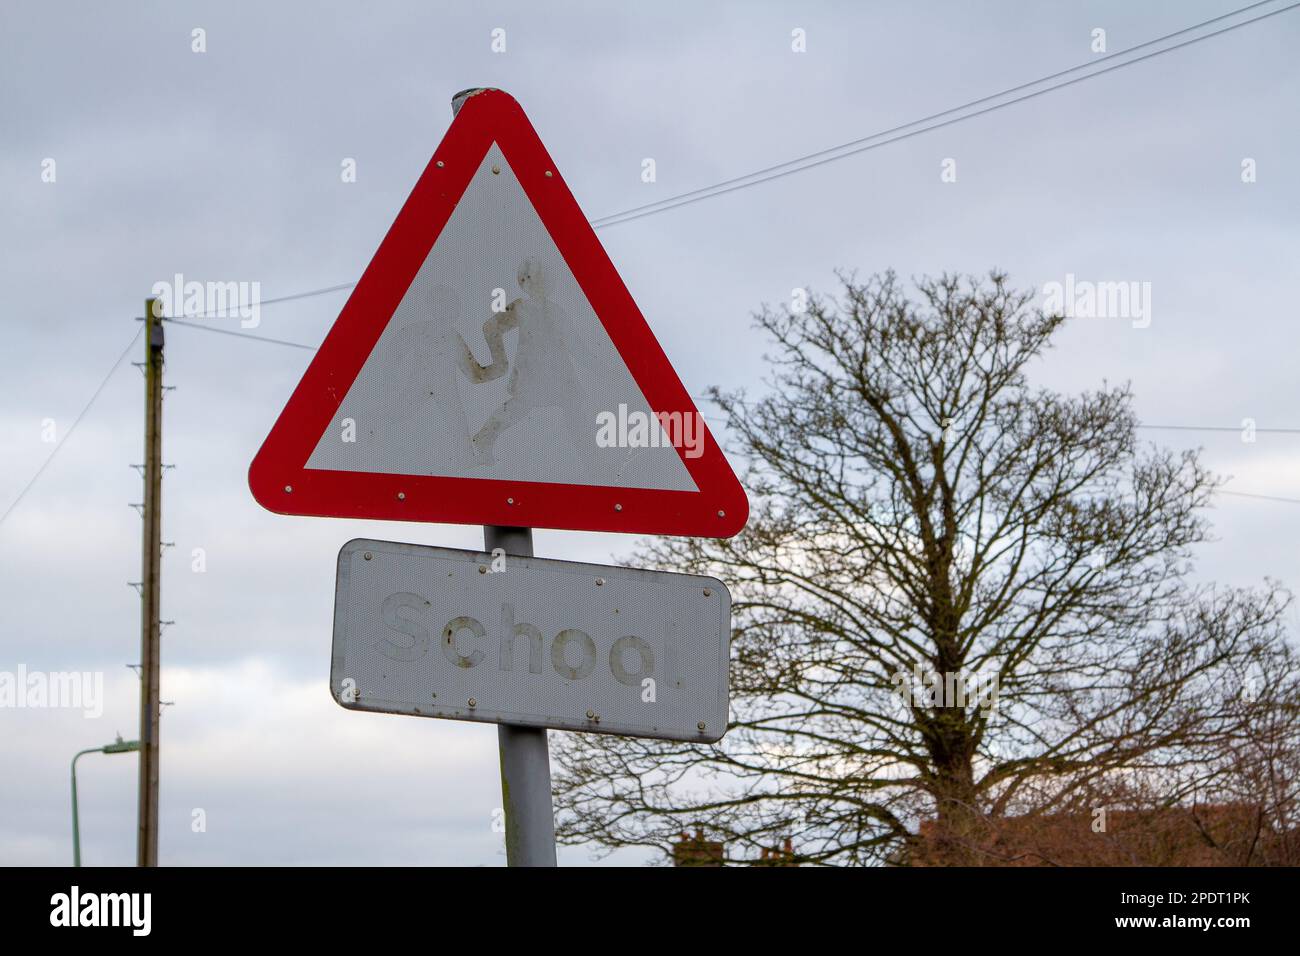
(150, 627)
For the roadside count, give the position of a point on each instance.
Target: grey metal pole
(525, 755)
(118, 746)
(76, 823)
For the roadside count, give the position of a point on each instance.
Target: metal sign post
(525, 755)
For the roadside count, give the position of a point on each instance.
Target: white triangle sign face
(430, 400)
(490, 367)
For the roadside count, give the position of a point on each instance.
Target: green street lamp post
(118, 746)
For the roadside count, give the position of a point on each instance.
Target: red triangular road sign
(491, 368)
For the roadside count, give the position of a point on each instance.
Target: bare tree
(960, 599)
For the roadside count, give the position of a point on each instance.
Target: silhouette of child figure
(542, 374)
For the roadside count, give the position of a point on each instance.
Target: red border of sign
(720, 507)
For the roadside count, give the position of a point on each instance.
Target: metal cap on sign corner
(459, 99)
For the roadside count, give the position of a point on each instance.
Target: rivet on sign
(482, 570)
(288, 489)
(591, 714)
(599, 581)
(700, 725)
(367, 555)
(708, 592)
(618, 507)
(440, 164)
(401, 496)
(496, 170)
(510, 501)
(548, 174)
(473, 702)
(722, 514)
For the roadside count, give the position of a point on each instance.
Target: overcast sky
(225, 166)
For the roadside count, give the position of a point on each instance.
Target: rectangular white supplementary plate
(441, 632)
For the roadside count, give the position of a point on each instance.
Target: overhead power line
(1221, 428)
(248, 305)
(875, 140)
(303, 295)
(240, 335)
(1247, 494)
(73, 427)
